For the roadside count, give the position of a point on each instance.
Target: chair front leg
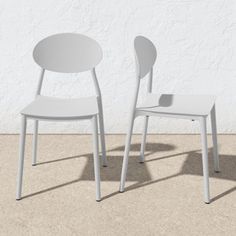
(214, 140)
(21, 157)
(143, 144)
(102, 136)
(205, 159)
(126, 154)
(35, 143)
(96, 158)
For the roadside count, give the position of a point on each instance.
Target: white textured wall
(195, 39)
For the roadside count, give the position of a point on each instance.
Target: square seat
(172, 104)
(57, 108)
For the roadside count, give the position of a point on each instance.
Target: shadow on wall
(139, 173)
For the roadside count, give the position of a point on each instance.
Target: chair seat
(58, 108)
(172, 104)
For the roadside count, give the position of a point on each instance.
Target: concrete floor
(164, 195)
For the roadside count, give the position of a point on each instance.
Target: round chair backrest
(145, 55)
(67, 53)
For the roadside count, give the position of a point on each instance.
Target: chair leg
(96, 158)
(205, 159)
(102, 138)
(21, 158)
(35, 143)
(143, 144)
(214, 140)
(126, 155)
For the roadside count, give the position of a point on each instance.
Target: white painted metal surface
(21, 157)
(205, 159)
(68, 53)
(196, 107)
(96, 158)
(173, 104)
(145, 54)
(57, 108)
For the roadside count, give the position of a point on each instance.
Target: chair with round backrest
(65, 53)
(193, 107)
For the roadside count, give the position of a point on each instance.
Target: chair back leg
(143, 143)
(35, 143)
(102, 136)
(214, 140)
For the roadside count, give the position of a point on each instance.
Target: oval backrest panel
(67, 53)
(145, 55)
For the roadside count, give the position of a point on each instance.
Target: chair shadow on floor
(139, 173)
(191, 166)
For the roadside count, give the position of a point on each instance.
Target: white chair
(65, 53)
(168, 105)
